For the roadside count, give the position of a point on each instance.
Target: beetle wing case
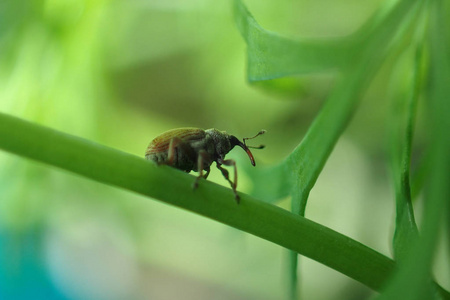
(162, 141)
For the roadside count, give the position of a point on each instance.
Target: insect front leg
(229, 162)
(224, 173)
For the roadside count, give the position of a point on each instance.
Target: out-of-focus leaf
(358, 58)
(301, 169)
(272, 56)
(402, 126)
(412, 279)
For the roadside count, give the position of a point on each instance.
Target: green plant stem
(169, 185)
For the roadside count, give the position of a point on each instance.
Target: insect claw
(195, 184)
(238, 199)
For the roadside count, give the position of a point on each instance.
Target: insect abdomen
(180, 161)
(159, 158)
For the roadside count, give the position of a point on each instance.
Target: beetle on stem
(195, 149)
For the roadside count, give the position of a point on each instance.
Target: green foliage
(358, 57)
(412, 279)
(406, 32)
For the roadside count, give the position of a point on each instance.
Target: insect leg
(174, 142)
(229, 162)
(207, 172)
(224, 173)
(202, 158)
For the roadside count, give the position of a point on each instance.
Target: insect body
(194, 149)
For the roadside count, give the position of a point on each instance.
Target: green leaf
(272, 56)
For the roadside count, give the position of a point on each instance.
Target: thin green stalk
(169, 185)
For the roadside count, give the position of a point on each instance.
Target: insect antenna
(244, 146)
(255, 147)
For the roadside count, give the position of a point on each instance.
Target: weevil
(195, 149)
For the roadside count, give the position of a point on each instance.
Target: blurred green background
(122, 72)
